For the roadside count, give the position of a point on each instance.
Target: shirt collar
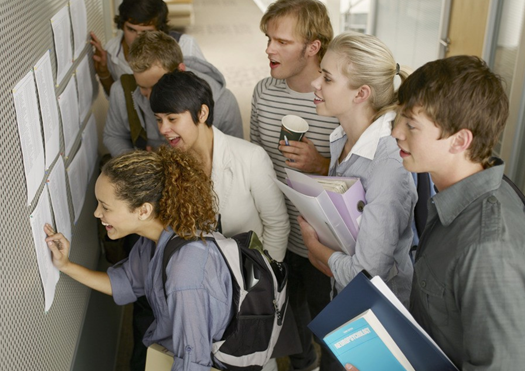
(452, 201)
(114, 47)
(367, 143)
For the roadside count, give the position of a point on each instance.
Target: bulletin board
(30, 337)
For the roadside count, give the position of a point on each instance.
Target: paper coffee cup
(293, 127)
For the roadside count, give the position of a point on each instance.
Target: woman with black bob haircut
(196, 93)
(242, 172)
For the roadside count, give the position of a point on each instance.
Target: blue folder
(361, 294)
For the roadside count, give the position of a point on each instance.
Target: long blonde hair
(368, 61)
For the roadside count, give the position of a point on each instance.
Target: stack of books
(367, 327)
(331, 205)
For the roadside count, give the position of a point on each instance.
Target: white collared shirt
(366, 145)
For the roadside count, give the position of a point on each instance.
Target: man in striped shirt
(298, 34)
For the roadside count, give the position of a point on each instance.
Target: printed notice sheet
(48, 107)
(69, 112)
(26, 107)
(85, 87)
(77, 8)
(90, 144)
(56, 184)
(49, 275)
(78, 178)
(62, 36)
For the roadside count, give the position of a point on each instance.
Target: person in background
(135, 17)
(357, 87)
(298, 34)
(130, 123)
(469, 270)
(139, 193)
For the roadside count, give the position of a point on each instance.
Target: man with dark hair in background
(135, 17)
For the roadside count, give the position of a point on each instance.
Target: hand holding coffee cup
(293, 128)
(299, 151)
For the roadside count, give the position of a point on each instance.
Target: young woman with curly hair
(157, 195)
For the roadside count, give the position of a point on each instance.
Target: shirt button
(423, 283)
(492, 199)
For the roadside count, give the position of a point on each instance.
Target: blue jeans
(309, 293)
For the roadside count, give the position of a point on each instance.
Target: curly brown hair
(173, 182)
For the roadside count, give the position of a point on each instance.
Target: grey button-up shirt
(385, 233)
(469, 280)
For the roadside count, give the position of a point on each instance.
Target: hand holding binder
(362, 294)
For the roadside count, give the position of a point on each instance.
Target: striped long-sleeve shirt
(273, 99)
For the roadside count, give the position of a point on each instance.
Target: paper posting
(48, 107)
(77, 8)
(49, 275)
(56, 184)
(78, 178)
(69, 112)
(90, 144)
(27, 117)
(62, 37)
(85, 88)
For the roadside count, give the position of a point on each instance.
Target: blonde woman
(357, 87)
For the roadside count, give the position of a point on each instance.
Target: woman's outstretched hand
(59, 247)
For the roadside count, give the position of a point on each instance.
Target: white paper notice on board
(77, 8)
(78, 178)
(62, 36)
(85, 88)
(69, 112)
(56, 184)
(49, 275)
(27, 117)
(48, 107)
(90, 143)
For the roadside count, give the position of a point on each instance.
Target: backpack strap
(515, 188)
(173, 245)
(139, 137)
(421, 208)
(498, 161)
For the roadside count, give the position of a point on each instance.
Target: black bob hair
(181, 91)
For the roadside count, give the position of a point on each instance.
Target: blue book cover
(360, 295)
(359, 344)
